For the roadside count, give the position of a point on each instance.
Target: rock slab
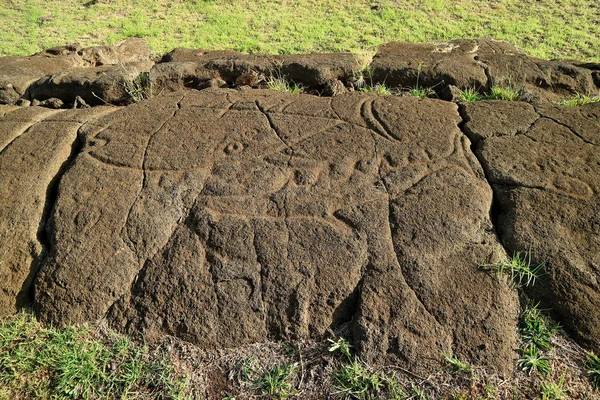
(544, 167)
(229, 217)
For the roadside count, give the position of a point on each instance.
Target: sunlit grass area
(544, 28)
(39, 362)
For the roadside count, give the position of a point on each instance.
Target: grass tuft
(503, 93)
(417, 394)
(592, 364)
(532, 360)
(277, 382)
(469, 95)
(458, 366)
(421, 92)
(342, 345)
(379, 88)
(535, 328)
(247, 369)
(518, 268)
(579, 100)
(279, 83)
(138, 87)
(496, 93)
(356, 379)
(72, 363)
(553, 390)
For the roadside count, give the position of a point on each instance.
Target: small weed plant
(532, 360)
(535, 328)
(459, 396)
(579, 100)
(503, 93)
(277, 383)
(247, 369)
(536, 332)
(592, 364)
(279, 83)
(355, 379)
(394, 390)
(417, 394)
(342, 345)
(496, 93)
(518, 268)
(363, 62)
(553, 390)
(469, 95)
(138, 87)
(379, 88)
(458, 366)
(421, 92)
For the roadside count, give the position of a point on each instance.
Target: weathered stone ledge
(72, 77)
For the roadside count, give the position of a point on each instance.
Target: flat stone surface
(230, 217)
(489, 118)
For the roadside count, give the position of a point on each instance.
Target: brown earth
(228, 217)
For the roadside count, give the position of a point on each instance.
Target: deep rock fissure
(486, 71)
(495, 208)
(43, 233)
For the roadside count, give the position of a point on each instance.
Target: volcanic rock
(228, 217)
(545, 171)
(52, 65)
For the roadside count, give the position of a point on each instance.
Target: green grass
(277, 383)
(536, 331)
(247, 369)
(496, 93)
(503, 93)
(356, 380)
(532, 360)
(538, 26)
(342, 345)
(379, 88)
(274, 383)
(458, 366)
(579, 100)
(468, 95)
(421, 92)
(535, 328)
(417, 394)
(518, 268)
(553, 390)
(140, 88)
(276, 82)
(592, 364)
(73, 363)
